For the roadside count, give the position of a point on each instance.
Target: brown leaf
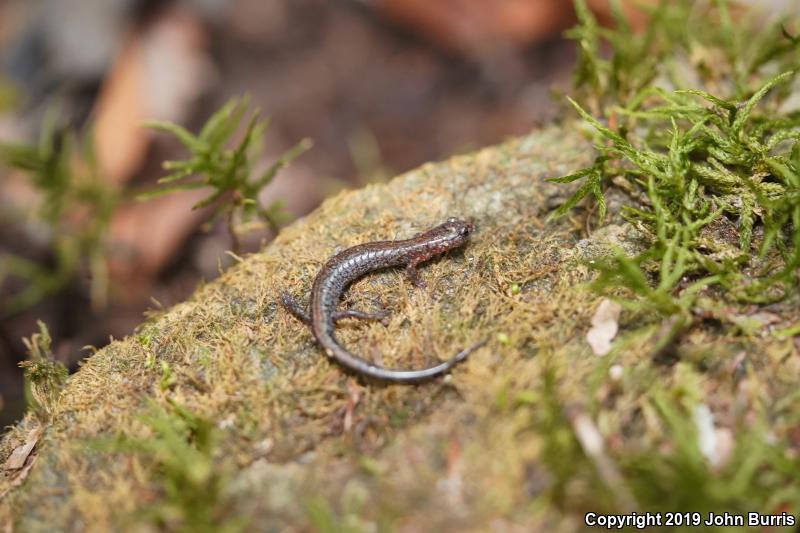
(159, 72)
(146, 235)
(468, 25)
(18, 478)
(20, 454)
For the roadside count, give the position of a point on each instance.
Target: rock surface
(531, 432)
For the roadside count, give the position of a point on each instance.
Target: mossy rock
(530, 433)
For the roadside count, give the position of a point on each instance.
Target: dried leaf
(21, 453)
(18, 478)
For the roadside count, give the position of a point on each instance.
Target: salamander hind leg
(288, 302)
(294, 308)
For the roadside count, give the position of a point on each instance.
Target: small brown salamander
(351, 264)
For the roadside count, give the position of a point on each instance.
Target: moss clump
(178, 457)
(45, 377)
(693, 163)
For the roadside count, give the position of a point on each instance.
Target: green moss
(180, 464)
(228, 172)
(688, 158)
(44, 376)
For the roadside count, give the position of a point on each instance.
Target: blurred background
(378, 86)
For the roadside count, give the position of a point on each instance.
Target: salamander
(347, 266)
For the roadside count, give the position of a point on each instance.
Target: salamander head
(451, 234)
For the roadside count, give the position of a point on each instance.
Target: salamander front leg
(413, 275)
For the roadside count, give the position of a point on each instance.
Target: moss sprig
(45, 377)
(693, 159)
(229, 171)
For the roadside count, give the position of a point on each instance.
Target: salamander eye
(452, 219)
(464, 231)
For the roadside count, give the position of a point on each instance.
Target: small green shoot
(228, 172)
(44, 376)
